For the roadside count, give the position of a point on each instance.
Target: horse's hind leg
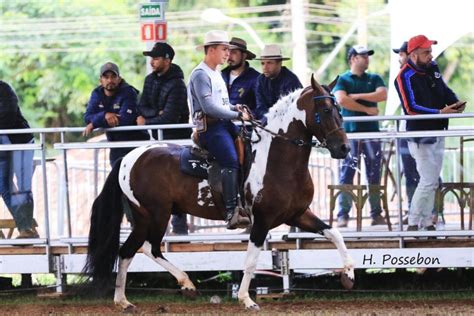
(309, 222)
(152, 249)
(127, 252)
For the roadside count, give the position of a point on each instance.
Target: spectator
(239, 77)
(358, 92)
(16, 164)
(113, 103)
(274, 82)
(409, 164)
(213, 114)
(422, 90)
(164, 101)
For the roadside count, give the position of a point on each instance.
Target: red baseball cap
(419, 41)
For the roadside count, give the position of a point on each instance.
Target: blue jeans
(372, 152)
(17, 196)
(219, 141)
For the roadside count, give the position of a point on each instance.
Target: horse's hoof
(190, 293)
(346, 281)
(253, 307)
(130, 309)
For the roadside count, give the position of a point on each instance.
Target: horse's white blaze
(250, 265)
(279, 118)
(336, 238)
(126, 167)
(204, 195)
(120, 281)
(181, 276)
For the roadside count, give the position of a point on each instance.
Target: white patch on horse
(204, 195)
(126, 167)
(279, 118)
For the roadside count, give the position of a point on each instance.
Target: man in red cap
(422, 90)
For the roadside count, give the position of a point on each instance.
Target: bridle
(300, 142)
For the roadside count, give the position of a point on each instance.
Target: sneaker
(27, 233)
(342, 222)
(412, 228)
(378, 220)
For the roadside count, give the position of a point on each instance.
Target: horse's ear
(314, 84)
(333, 84)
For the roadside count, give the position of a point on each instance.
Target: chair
(11, 225)
(463, 191)
(360, 193)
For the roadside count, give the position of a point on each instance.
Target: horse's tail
(104, 233)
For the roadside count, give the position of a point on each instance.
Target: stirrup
(238, 220)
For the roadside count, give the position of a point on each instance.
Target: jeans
(17, 195)
(429, 162)
(219, 141)
(180, 226)
(372, 152)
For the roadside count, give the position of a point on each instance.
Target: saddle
(198, 162)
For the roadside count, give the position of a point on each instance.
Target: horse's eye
(327, 110)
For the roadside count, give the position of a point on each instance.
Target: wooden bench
(11, 225)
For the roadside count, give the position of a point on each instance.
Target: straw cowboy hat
(240, 44)
(272, 52)
(214, 38)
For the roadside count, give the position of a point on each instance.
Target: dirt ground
(359, 307)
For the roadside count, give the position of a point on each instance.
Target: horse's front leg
(310, 223)
(347, 276)
(253, 251)
(120, 282)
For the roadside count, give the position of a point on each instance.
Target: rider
(212, 113)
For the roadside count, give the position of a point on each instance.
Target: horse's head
(323, 118)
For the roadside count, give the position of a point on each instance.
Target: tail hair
(104, 234)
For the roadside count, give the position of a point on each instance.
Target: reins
(297, 142)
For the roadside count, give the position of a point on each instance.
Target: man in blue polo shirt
(358, 93)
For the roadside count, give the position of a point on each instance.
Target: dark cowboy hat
(240, 44)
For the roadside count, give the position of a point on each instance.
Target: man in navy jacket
(275, 81)
(239, 77)
(112, 104)
(422, 90)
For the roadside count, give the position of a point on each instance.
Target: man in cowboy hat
(213, 114)
(164, 101)
(358, 92)
(239, 77)
(274, 82)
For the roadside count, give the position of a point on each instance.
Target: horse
(278, 190)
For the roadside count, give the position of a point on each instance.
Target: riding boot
(235, 216)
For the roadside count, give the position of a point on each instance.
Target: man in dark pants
(240, 78)
(112, 104)
(164, 101)
(358, 92)
(213, 113)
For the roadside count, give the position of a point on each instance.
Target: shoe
(412, 228)
(27, 233)
(237, 219)
(378, 220)
(342, 222)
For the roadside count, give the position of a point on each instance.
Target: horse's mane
(279, 118)
(284, 111)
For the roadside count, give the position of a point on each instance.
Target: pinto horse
(279, 190)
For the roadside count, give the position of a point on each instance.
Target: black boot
(230, 189)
